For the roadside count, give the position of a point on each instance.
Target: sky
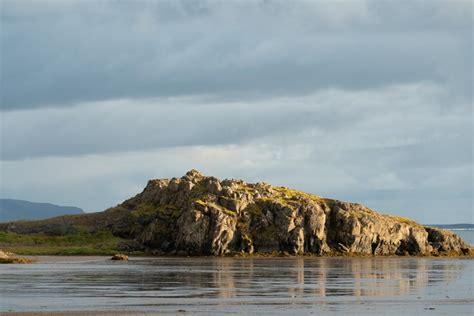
(364, 101)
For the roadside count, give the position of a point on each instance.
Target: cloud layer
(60, 53)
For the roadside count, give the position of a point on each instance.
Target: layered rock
(199, 215)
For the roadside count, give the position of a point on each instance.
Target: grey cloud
(56, 54)
(396, 149)
(130, 125)
(112, 128)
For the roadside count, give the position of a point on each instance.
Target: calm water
(241, 285)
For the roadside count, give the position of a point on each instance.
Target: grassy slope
(98, 243)
(84, 234)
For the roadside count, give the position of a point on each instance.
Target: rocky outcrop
(199, 215)
(7, 257)
(119, 257)
(3, 255)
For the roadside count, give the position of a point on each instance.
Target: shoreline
(71, 259)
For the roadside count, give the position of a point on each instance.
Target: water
(268, 286)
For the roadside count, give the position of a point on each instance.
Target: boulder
(3, 255)
(119, 257)
(7, 257)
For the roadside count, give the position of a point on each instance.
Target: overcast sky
(365, 101)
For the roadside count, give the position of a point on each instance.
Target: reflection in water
(217, 284)
(324, 276)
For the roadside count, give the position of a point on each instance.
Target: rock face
(3, 255)
(119, 257)
(200, 215)
(6, 257)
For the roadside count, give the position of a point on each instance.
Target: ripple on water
(240, 285)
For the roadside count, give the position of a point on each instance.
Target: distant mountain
(454, 226)
(12, 210)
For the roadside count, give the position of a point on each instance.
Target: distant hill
(12, 210)
(454, 226)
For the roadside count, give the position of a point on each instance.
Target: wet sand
(269, 286)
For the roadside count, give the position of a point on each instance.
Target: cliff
(200, 215)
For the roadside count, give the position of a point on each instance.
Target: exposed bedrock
(199, 215)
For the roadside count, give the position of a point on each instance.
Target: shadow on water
(231, 284)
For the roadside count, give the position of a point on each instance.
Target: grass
(290, 197)
(291, 194)
(403, 220)
(99, 243)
